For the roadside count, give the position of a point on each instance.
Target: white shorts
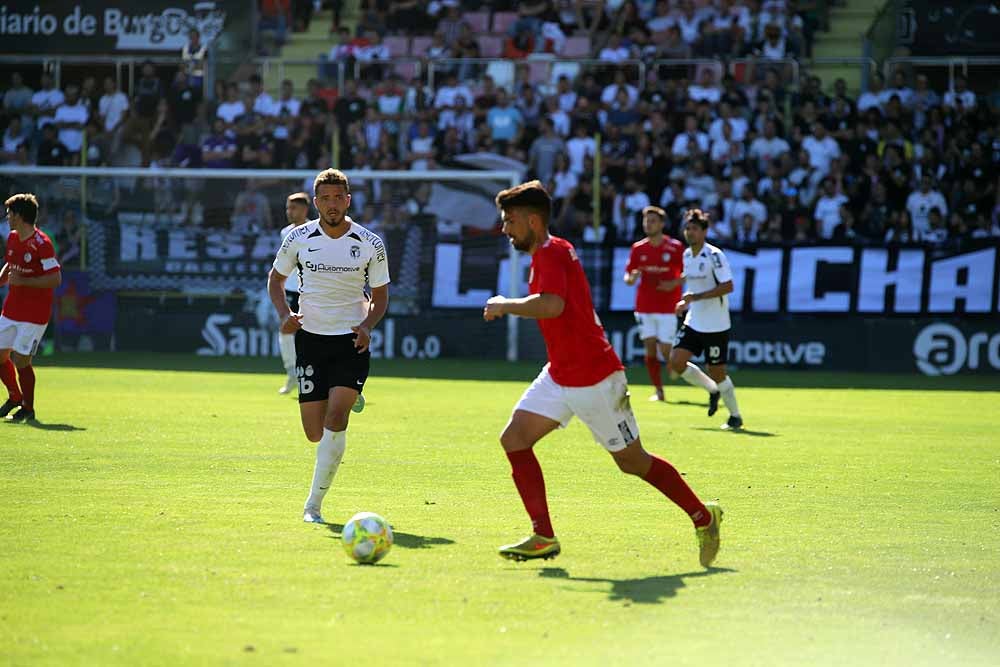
(604, 407)
(661, 326)
(22, 337)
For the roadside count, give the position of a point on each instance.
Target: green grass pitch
(155, 519)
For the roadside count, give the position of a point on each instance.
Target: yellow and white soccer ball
(367, 537)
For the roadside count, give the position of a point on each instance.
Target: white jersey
(292, 284)
(332, 274)
(701, 274)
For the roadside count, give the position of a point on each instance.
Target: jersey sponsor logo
(942, 349)
(320, 267)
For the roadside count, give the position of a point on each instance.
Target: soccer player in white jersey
(708, 281)
(336, 258)
(297, 213)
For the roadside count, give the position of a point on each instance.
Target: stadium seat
(576, 47)
(502, 21)
(490, 46)
(418, 46)
(478, 21)
(538, 72)
(398, 45)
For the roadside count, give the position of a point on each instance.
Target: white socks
(329, 452)
(286, 343)
(729, 396)
(694, 375)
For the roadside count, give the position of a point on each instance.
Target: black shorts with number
(715, 345)
(293, 300)
(325, 362)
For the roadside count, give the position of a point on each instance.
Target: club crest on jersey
(666, 257)
(27, 256)
(355, 251)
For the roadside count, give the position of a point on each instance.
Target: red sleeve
(47, 258)
(677, 262)
(631, 260)
(551, 274)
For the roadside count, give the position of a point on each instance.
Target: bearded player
(584, 377)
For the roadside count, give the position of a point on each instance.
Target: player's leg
(653, 368)
(606, 410)
(717, 352)
(647, 331)
(8, 374)
(26, 381)
(666, 332)
(688, 345)
(540, 411)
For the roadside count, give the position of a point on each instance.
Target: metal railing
(953, 63)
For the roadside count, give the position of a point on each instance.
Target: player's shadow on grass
(405, 540)
(738, 431)
(645, 590)
(43, 426)
(694, 403)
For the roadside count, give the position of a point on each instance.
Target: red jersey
(578, 349)
(33, 257)
(656, 263)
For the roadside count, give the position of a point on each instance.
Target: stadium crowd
(774, 162)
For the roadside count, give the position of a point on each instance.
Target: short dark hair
(331, 177)
(24, 205)
(531, 195)
(697, 216)
(300, 197)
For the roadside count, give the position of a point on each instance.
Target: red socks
(653, 366)
(530, 484)
(669, 482)
(26, 376)
(10, 380)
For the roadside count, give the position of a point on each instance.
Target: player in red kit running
(584, 377)
(33, 272)
(657, 263)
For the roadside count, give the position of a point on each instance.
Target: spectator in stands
(505, 122)
(45, 101)
(691, 142)
(873, 98)
(251, 211)
(544, 152)
(274, 17)
(960, 97)
(17, 98)
(409, 16)
(71, 118)
(15, 142)
(51, 151)
(827, 209)
(112, 109)
(920, 203)
(421, 148)
(194, 55)
(821, 147)
(218, 149)
(610, 93)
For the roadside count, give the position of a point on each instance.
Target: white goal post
(37, 179)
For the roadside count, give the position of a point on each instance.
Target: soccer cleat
(22, 415)
(532, 547)
(713, 402)
(312, 515)
(658, 396)
(359, 403)
(735, 423)
(708, 536)
(8, 405)
(290, 382)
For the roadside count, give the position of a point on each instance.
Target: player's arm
(721, 289)
(536, 306)
(290, 322)
(632, 273)
(4, 274)
(49, 280)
